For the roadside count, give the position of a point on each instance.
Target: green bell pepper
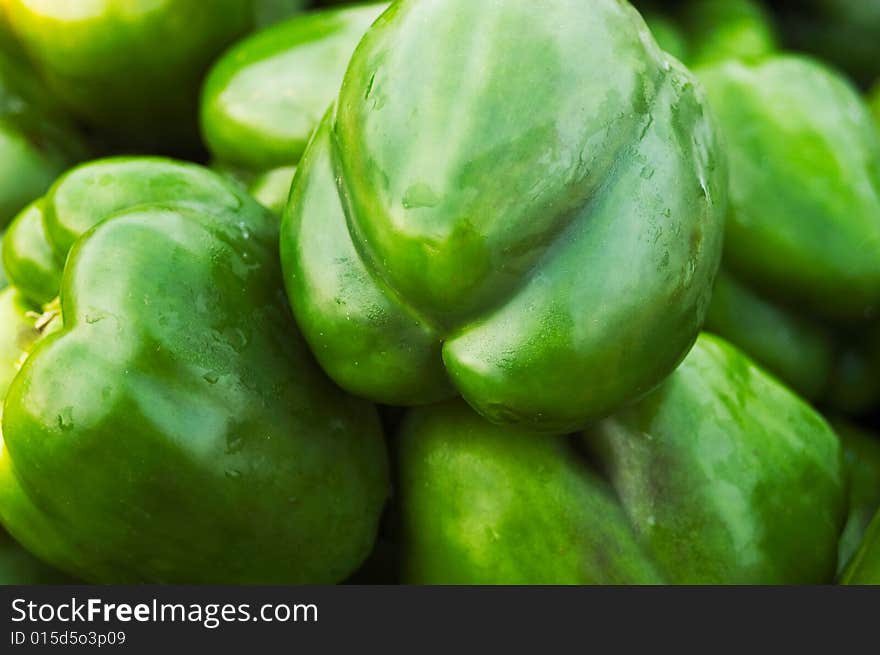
(131, 68)
(702, 32)
(263, 99)
(804, 220)
(545, 249)
(727, 29)
(799, 350)
(802, 235)
(37, 143)
(862, 456)
(170, 396)
(28, 257)
(721, 475)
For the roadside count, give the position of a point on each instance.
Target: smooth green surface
(862, 456)
(727, 476)
(131, 68)
(17, 335)
(719, 476)
(798, 350)
(488, 504)
(272, 188)
(36, 142)
(551, 233)
(265, 96)
(28, 259)
(170, 425)
(727, 29)
(40, 238)
(804, 153)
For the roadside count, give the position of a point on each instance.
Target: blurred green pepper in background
(727, 29)
(721, 475)
(802, 240)
(170, 394)
(701, 32)
(37, 142)
(263, 99)
(132, 68)
(513, 227)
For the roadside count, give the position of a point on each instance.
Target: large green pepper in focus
(522, 205)
(131, 68)
(720, 476)
(169, 425)
(263, 99)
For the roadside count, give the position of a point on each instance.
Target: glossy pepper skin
(802, 243)
(131, 68)
(263, 99)
(170, 395)
(37, 143)
(17, 334)
(804, 155)
(721, 475)
(545, 249)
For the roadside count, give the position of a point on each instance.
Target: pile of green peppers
(440, 292)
